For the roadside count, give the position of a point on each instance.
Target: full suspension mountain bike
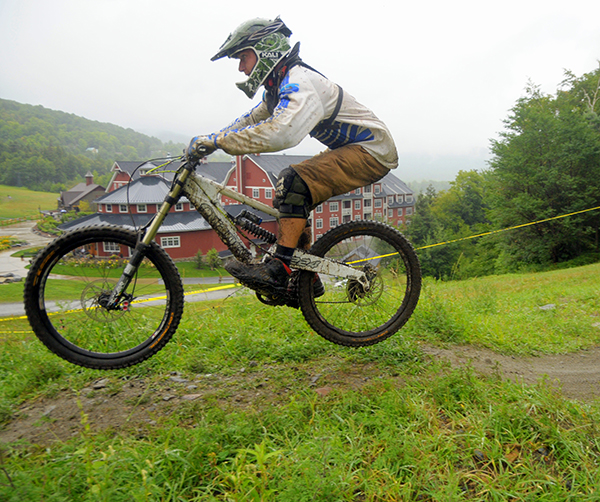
(94, 308)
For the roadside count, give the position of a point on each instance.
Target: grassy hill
(247, 403)
(44, 149)
(16, 202)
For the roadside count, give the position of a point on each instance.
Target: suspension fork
(112, 302)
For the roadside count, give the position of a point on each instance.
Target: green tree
(41, 148)
(545, 164)
(212, 259)
(448, 215)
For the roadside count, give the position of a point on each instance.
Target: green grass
(416, 430)
(11, 293)
(550, 312)
(23, 203)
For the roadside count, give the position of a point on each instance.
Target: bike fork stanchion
(140, 250)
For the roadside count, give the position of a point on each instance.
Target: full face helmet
(269, 39)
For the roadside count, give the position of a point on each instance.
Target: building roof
(144, 190)
(78, 192)
(216, 171)
(174, 222)
(186, 221)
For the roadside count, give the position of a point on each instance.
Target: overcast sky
(443, 75)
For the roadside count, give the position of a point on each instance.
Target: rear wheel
(69, 279)
(349, 313)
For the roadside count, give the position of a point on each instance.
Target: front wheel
(69, 279)
(350, 313)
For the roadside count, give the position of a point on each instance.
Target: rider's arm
(299, 110)
(258, 113)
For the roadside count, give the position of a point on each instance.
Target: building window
(367, 202)
(170, 242)
(378, 203)
(347, 204)
(357, 191)
(357, 217)
(391, 199)
(179, 206)
(142, 208)
(400, 198)
(409, 198)
(367, 216)
(377, 189)
(108, 208)
(255, 193)
(400, 211)
(408, 211)
(357, 204)
(111, 247)
(334, 206)
(333, 222)
(319, 223)
(319, 208)
(346, 218)
(123, 208)
(367, 189)
(268, 193)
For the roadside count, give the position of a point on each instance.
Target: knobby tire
(347, 314)
(66, 280)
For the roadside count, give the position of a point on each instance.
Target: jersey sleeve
(258, 113)
(298, 112)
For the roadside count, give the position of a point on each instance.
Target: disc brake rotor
(358, 294)
(90, 301)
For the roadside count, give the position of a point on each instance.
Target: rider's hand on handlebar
(200, 146)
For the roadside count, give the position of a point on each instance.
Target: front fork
(113, 301)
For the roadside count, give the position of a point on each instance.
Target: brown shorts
(339, 171)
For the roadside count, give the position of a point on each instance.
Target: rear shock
(250, 222)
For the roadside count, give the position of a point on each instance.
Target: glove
(200, 146)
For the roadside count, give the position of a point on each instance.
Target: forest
(545, 164)
(49, 150)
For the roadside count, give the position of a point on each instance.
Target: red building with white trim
(136, 191)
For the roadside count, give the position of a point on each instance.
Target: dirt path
(577, 375)
(23, 232)
(138, 404)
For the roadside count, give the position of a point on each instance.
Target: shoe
(318, 288)
(269, 278)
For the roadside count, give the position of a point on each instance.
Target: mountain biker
(297, 101)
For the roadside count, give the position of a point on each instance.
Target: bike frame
(205, 195)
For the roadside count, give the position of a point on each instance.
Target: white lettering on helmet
(270, 54)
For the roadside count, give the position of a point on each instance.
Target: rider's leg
(290, 232)
(299, 189)
(293, 199)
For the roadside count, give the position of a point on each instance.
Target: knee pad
(292, 195)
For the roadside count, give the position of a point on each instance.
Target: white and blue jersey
(306, 101)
